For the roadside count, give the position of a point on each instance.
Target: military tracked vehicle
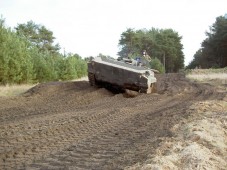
(125, 74)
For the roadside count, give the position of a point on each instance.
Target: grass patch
(207, 71)
(208, 74)
(14, 90)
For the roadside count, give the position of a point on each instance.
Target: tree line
(28, 55)
(162, 45)
(213, 51)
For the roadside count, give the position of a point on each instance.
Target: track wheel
(91, 78)
(153, 88)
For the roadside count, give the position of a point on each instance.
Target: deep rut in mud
(70, 125)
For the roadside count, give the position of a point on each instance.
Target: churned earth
(71, 125)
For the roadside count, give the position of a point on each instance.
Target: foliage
(15, 61)
(39, 36)
(163, 44)
(29, 56)
(213, 53)
(157, 65)
(87, 59)
(73, 67)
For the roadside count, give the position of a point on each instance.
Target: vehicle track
(74, 126)
(113, 148)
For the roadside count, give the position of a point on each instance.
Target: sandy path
(70, 125)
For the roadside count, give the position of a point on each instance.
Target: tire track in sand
(101, 132)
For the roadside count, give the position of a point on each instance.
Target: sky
(91, 27)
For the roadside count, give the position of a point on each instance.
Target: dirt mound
(67, 91)
(71, 125)
(174, 84)
(166, 84)
(57, 87)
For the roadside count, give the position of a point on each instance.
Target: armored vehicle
(125, 74)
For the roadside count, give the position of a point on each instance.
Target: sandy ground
(71, 125)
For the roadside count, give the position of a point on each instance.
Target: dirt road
(70, 125)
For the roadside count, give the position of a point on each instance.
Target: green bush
(23, 62)
(157, 65)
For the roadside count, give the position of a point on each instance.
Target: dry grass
(213, 76)
(207, 71)
(208, 76)
(81, 79)
(14, 90)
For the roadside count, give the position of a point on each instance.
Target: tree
(39, 36)
(127, 43)
(214, 48)
(157, 65)
(73, 66)
(164, 44)
(196, 63)
(169, 50)
(4, 58)
(28, 55)
(15, 61)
